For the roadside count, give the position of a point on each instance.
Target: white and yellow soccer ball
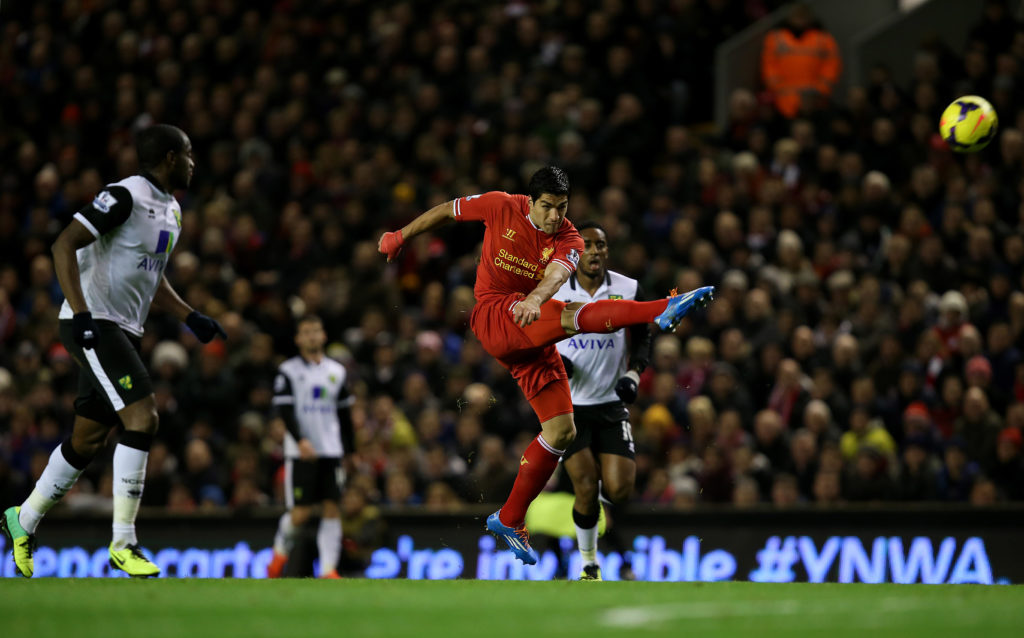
(968, 124)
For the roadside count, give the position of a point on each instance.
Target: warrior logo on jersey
(509, 234)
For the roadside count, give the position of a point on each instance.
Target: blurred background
(865, 343)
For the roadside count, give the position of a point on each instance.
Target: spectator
(827, 488)
(865, 431)
(958, 476)
(784, 491)
(800, 63)
(803, 453)
(1008, 471)
(869, 479)
(918, 477)
(979, 427)
(745, 492)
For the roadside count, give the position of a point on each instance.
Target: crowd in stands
(864, 344)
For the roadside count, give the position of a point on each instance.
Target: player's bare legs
(582, 470)
(560, 431)
(66, 464)
(618, 475)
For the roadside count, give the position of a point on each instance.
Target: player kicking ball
(529, 251)
(110, 263)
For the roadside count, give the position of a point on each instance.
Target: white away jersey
(598, 359)
(135, 225)
(316, 391)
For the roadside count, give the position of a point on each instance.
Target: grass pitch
(399, 608)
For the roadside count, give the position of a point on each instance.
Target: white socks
(587, 541)
(328, 543)
(284, 539)
(328, 540)
(129, 480)
(53, 484)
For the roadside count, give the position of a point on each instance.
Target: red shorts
(533, 367)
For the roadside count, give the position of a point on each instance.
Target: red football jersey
(515, 252)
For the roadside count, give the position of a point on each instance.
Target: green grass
(399, 609)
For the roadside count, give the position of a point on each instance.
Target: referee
(602, 457)
(110, 263)
(311, 399)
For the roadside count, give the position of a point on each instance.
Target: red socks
(608, 315)
(535, 468)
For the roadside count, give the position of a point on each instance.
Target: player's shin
(536, 466)
(130, 457)
(608, 315)
(61, 473)
(328, 544)
(284, 539)
(586, 535)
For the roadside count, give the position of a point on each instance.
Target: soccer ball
(968, 124)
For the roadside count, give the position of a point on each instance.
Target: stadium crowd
(865, 344)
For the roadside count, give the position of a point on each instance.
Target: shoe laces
(523, 535)
(136, 551)
(32, 543)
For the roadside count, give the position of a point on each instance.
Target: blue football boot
(680, 305)
(517, 539)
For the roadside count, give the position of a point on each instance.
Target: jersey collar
(607, 280)
(154, 182)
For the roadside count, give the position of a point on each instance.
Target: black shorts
(604, 428)
(309, 482)
(111, 375)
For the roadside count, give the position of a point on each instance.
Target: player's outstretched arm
(528, 310)
(390, 244)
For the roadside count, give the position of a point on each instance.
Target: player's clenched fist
(526, 312)
(390, 244)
